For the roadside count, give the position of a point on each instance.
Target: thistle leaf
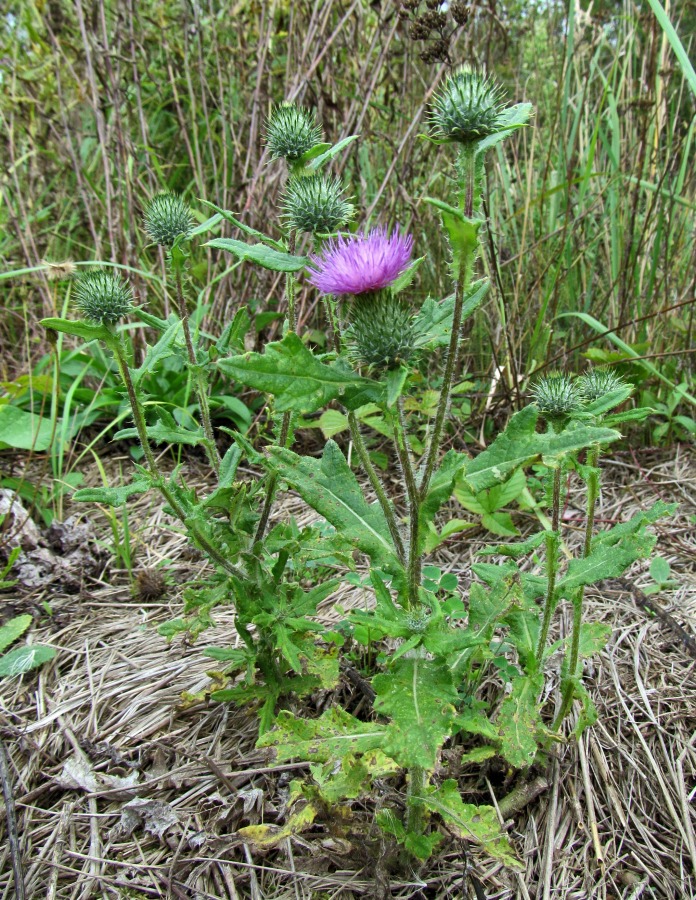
(297, 379)
(330, 487)
(333, 735)
(478, 824)
(518, 721)
(419, 696)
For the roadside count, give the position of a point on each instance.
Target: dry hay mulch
(121, 790)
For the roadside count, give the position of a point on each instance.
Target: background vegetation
(591, 245)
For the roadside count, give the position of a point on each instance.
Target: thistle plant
(429, 643)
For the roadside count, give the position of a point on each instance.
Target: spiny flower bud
(467, 108)
(597, 383)
(381, 333)
(167, 216)
(315, 204)
(102, 297)
(291, 131)
(417, 621)
(556, 395)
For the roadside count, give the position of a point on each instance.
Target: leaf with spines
(519, 721)
(478, 824)
(112, 496)
(297, 379)
(261, 254)
(419, 696)
(332, 736)
(85, 330)
(330, 487)
(521, 444)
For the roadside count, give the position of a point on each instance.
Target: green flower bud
(418, 621)
(102, 297)
(381, 333)
(291, 131)
(467, 108)
(167, 216)
(597, 383)
(557, 396)
(315, 204)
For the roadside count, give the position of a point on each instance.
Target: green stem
(198, 376)
(552, 545)
(468, 196)
(592, 495)
(417, 781)
(377, 486)
(285, 424)
(116, 345)
(414, 557)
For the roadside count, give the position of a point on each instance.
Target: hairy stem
(198, 376)
(417, 781)
(552, 545)
(592, 495)
(377, 486)
(287, 416)
(469, 191)
(414, 559)
(116, 344)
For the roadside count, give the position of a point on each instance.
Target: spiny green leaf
(419, 696)
(78, 329)
(520, 444)
(162, 433)
(297, 379)
(333, 735)
(518, 721)
(112, 496)
(330, 487)
(478, 824)
(605, 562)
(262, 255)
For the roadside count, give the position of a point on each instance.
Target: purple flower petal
(361, 262)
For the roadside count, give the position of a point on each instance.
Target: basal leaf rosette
(363, 268)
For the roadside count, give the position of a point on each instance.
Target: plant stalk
(552, 544)
(414, 557)
(116, 345)
(468, 201)
(592, 495)
(198, 376)
(417, 781)
(285, 424)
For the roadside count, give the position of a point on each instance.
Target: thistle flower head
(291, 131)
(315, 204)
(597, 383)
(166, 217)
(556, 395)
(361, 262)
(381, 333)
(102, 297)
(467, 108)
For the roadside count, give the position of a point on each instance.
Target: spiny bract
(103, 298)
(291, 131)
(166, 217)
(556, 395)
(381, 333)
(597, 383)
(467, 108)
(315, 204)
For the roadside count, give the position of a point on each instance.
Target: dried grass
(617, 821)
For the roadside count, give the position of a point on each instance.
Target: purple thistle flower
(361, 262)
